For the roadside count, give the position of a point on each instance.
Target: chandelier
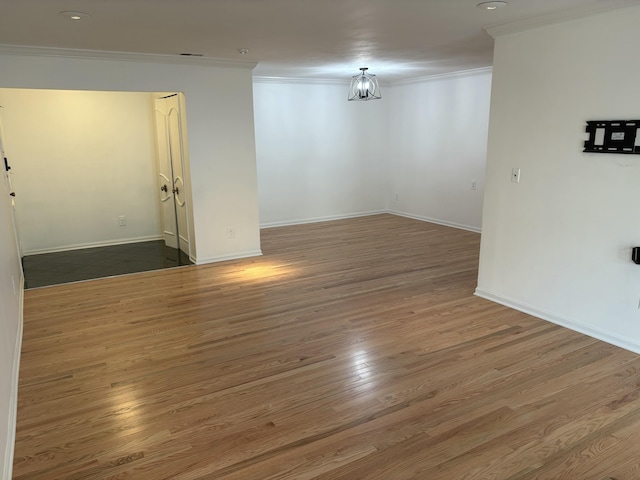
(364, 86)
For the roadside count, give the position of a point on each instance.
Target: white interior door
(172, 185)
(177, 164)
(165, 175)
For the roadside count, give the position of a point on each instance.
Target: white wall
(558, 244)
(322, 157)
(319, 156)
(80, 160)
(438, 148)
(219, 110)
(11, 291)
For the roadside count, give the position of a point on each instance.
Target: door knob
(13, 194)
(176, 191)
(164, 188)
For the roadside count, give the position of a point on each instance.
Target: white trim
(81, 246)
(328, 218)
(366, 214)
(124, 56)
(13, 398)
(328, 81)
(444, 76)
(554, 18)
(437, 221)
(597, 333)
(231, 256)
(299, 80)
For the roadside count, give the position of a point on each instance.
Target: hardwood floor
(352, 349)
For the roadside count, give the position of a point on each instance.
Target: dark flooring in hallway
(89, 263)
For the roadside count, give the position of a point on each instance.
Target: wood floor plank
(352, 349)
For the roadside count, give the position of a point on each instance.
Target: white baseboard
(13, 400)
(236, 256)
(231, 256)
(366, 214)
(436, 221)
(81, 246)
(328, 218)
(597, 333)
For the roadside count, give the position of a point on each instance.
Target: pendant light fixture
(491, 5)
(364, 87)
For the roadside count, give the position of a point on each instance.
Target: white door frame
(7, 175)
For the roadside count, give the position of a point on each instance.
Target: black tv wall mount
(613, 136)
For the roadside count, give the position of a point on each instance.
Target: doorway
(85, 170)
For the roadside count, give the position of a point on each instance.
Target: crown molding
(301, 80)
(336, 81)
(123, 56)
(442, 76)
(556, 18)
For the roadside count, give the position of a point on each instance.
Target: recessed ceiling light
(491, 5)
(243, 51)
(74, 15)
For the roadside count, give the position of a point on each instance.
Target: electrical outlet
(231, 232)
(122, 220)
(474, 185)
(515, 175)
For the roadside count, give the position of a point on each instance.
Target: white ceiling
(396, 39)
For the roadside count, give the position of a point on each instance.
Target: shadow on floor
(75, 265)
